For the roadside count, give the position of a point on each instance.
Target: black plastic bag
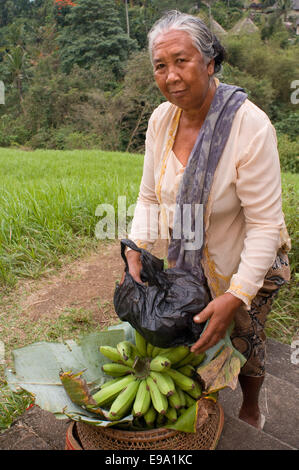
(161, 310)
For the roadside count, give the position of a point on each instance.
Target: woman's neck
(195, 117)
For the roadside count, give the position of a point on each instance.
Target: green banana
(122, 403)
(182, 397)
(150, 416)
(159, 364)
(149, 349)
(176, 354)
(186, 360)
(156, 351)
(181, 380)
(189, 400)
(111, 353)
(175, 400)
(116, 370)
(195, 392)
(140, 342)
(159, 400)
(160, 420)
(164, 382)
(181, 411)
(103, 396)
(171, 414)
(142, 400)
(126, 352)
(197, 359)
(187, 370)
(109, 382)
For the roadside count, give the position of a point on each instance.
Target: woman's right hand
(134, 264)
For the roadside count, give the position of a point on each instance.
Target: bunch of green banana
(155, 385)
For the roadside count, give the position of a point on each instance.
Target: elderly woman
(208, 145)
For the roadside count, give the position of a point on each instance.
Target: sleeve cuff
(243, 290)
(141, 244)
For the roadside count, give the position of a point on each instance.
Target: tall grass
(48, 201)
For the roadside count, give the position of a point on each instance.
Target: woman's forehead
(173, 41)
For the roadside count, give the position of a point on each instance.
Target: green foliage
(227, 14)
(92, 35)
(288, 153)
(290, 197)
(12, 9)
(137, 101)
(289, 125)
(74, 77)
(12, 405)
(267, 69)
(259, 90)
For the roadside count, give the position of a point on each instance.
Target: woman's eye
(159, 66)
(181, 60)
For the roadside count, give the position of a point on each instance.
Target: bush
(78, 140)
(288, 153)
(12, 131)
(289, 125)
(260, 91)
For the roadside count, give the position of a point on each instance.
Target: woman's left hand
(221, 312)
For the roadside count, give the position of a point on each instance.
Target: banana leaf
(194, 417)
(63, 376)
(221, 366)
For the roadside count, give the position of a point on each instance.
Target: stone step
(279, 361)
(279, 402)
(36, 429)
(238, 435)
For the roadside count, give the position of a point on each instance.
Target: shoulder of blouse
(165, 110)
(251, 115)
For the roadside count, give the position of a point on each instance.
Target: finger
(123, 278)
(204, 315)
(202, 342)
(198, 347)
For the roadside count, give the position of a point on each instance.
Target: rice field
(48, 201)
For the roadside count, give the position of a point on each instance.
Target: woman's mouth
(177, 92)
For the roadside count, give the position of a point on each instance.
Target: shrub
(289, 125)
(288, 153)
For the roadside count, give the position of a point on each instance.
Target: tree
(93, 35)
(280, 11)
(16, 65)
(10, 10)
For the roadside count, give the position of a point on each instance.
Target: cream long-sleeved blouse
(244, 222)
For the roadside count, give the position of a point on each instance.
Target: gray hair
(203, 39)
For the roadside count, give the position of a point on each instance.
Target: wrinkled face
(180, 71)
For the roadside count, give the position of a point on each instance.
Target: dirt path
(87, 283)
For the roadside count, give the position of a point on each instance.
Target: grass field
(48, 202)
(47, 213)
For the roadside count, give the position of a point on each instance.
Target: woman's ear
(211, 67)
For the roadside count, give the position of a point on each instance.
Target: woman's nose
(172, 76)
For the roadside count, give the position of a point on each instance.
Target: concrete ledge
(36, 429)
(278, 362)
(238, 435)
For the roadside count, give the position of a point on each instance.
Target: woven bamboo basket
(82, 436)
